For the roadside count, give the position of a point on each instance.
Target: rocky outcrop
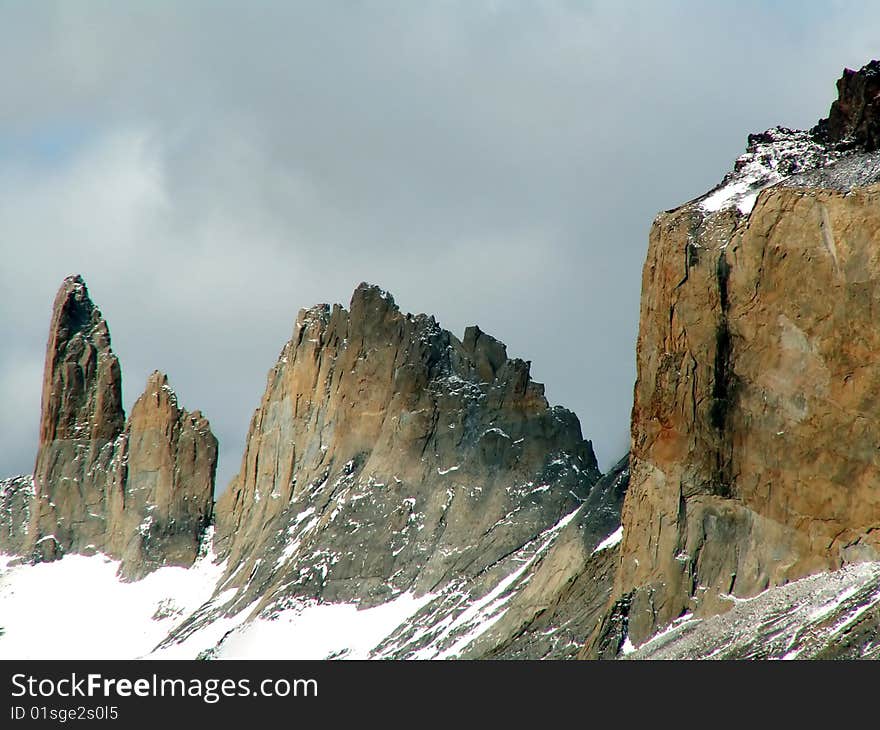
(16, 496)
(171, 460)
(388, 457)
(140, 491)
(855, 115)
(754, 429)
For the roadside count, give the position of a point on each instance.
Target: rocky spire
(141, 491)
(82, 386)
(81, 418)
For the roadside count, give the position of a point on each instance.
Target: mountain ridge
(390, 467)
(407, 494)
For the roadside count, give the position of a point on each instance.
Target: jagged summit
(367, 290)
(390, 466)
(388, 458)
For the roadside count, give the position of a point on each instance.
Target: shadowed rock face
(855, 115)
(551, 615)
(16, 497)
(754, 426)
(387, 455)
(139, 491)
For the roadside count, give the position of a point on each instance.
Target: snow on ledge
(609, 542)
(770, 158)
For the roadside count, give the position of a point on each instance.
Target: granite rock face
(388, 460)
(407, 455)
(140, 491)
(80, 421)
(754, 432)
(388, 456)
(171, 459)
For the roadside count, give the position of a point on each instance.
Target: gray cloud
(210, 168)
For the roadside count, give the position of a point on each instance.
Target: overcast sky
(211, 167)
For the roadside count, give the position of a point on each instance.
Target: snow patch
(104, 617)
(320, 631)
(609, 542)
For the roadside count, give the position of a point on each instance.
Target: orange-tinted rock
(80, 421)
(169, 490)
(140, 491)
(755, 439)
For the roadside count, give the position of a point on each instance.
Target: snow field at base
(344, 631)
(320, 631)
(77, 607)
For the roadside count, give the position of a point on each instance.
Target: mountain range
(407, 494)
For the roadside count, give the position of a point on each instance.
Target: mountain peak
(82, 387)
(365, 290)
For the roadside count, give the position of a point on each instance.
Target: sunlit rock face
(388, 455)
(755, 434)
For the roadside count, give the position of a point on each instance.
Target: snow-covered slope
(833, 615)
(79, 608)
(441, 625)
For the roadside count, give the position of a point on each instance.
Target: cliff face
(754, 433)
(140, 491)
